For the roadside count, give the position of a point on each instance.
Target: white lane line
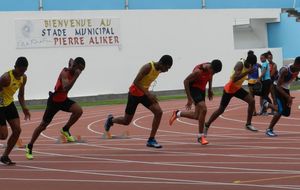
(152, 179)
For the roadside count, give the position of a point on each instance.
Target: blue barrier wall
(223, 4)
(165, 4)
(286, 35)
(83, 4)
(19, 5)
(31, 5)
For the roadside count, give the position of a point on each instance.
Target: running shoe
(270, 133)
(68, 135)
(7, 161)
(173, 117)
(28, 155)
(251, 128)
(202, 140)
(153, 143)
(108, 122)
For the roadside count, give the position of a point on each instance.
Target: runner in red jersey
(195, 86)
(58, 100)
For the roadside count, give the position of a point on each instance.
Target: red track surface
(235, 159)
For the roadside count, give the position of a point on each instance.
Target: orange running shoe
(202, 140)
(173, 117)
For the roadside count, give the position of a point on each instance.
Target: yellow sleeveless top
(145, 82)
(7, 93)
(150, 77)
(241, 81)
(232, 87)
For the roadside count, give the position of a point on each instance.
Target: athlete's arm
(22, 99)
(71, 62)
(66, 83)
(263, 72)
(4, 81)
(274, 69)
(238, 68)
(210, 92)
(190, 78)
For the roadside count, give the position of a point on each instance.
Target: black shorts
(197, 94)
(8, 113)
(283, 109)
(54, 107)
(133, 102)
(266, 85)
(255, 89)
(241, 94)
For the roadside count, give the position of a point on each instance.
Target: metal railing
(203, 4)
(41, 5)
(126, 4)
(294, 4)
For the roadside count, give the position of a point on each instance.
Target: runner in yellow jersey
(234, 88)
(139, 93)
(10, 82)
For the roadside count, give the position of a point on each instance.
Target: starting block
(62, 139)
(19, 144)
(108, 135)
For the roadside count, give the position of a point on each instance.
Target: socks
(30, 146)
(65, 129)
(178, 113)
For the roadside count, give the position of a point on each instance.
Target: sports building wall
(277, 38)
(191, 37)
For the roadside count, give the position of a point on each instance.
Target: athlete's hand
(26, 114)
(210, 95)
(189, 104)
(71, 62)
(251, 70)
(77, 72)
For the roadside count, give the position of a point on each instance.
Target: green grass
(105, 102)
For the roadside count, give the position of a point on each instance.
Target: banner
(41, 33)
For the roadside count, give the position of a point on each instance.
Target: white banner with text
(41, 33)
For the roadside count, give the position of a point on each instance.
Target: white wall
(252, 34)
(190, 36)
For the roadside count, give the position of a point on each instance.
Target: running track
(235, 159)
